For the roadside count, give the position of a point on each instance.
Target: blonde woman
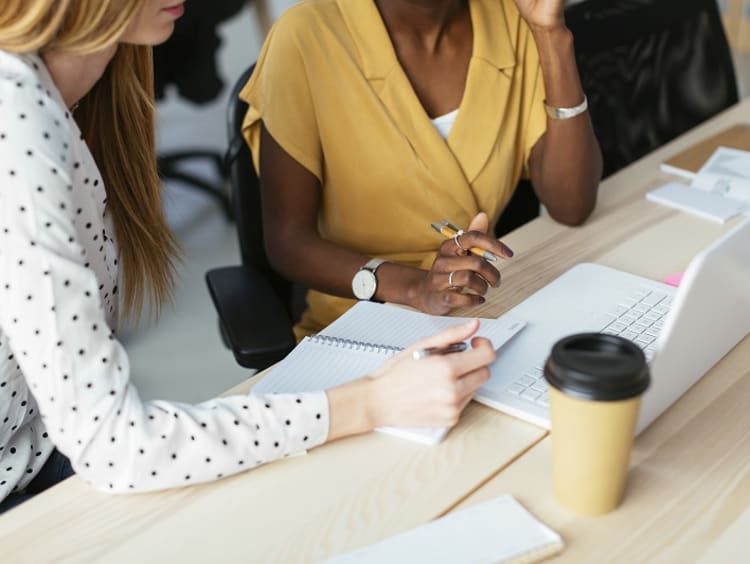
(82, 231)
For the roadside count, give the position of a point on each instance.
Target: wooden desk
(688, 495)
(353, 492)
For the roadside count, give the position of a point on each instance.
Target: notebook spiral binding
(354, 345)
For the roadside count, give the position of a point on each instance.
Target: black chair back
(652, 69)
(246, 203)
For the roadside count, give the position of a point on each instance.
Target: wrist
(544, 32)
(415, 291)
(373, 402)
(401, 284)
(353, 408)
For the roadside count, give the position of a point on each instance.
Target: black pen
(447, 349)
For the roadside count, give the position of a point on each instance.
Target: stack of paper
(720, 190)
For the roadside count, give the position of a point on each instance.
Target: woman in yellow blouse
(370, 119)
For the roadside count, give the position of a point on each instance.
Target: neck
(75, 75)
(425, 20)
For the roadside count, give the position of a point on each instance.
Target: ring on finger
(451, 285)
(458, 243)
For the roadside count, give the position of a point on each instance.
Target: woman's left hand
(546, 14)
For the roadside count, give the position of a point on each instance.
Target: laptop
(683, 332)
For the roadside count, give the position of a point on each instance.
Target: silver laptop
(683, 332)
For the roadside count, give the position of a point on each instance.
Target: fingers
(468, 384)
(468, 280)
(459, 245)
(459, 332)
(481, 354)
(471, 264)
(480, 222)
(482, 240)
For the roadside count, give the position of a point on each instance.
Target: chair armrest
(255, 321)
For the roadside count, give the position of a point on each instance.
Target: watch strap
(373, 264)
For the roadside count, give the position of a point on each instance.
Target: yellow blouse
(331, 92)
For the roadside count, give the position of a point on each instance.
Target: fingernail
(508, 252)
(482, 299)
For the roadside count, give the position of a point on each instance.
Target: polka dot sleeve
(55, 305)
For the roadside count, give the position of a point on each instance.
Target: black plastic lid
(598, 367)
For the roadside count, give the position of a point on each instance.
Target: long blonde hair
(122, 105)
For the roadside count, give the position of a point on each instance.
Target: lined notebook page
(499, 530)
(398, 327)
(358, 342)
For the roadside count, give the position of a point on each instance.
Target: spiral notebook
(499, 530)
(361, 340)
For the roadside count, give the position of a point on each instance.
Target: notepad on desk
(358, 342)
(499, 530)
(687, 163)
(697, 201)
(719, 191)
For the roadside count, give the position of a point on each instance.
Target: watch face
(364, 284)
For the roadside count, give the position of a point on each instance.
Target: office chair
(187, 61)
(256, 306)
(652, 69)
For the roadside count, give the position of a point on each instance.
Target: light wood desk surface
(356, 491)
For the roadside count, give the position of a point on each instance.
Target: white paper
(499, 530)
(726, 174)
(696, 201)
(719, 191)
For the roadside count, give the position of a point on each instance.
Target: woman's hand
(405, 392)
(432, 391)
(547, 14)
(458, 278)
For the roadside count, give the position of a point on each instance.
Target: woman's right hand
(432, 391)
(458, 278)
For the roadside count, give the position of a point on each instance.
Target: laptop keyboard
(638, 318)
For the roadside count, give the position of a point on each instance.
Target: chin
(154, 37)
(164, 35)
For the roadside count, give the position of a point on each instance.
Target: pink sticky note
(674, 279)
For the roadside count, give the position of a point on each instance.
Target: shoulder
(308, 23)
(30, 110)
(308, 14)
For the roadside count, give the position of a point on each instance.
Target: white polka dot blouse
(64, 377)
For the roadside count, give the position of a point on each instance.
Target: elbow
(573, 217)
(575, 213)
(280, 258)
(104, 484)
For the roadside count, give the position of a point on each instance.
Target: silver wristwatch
(364, 282)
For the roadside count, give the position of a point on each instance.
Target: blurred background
(182, 356)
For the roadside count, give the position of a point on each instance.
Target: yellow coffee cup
(596, 382)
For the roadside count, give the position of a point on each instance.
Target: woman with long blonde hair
(82, 232)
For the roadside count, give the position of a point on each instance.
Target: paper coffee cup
(596, 382)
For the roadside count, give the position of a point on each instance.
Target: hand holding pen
(431, 381)
(450, 231)
(465, 267)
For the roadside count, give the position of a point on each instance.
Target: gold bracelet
(567, 113)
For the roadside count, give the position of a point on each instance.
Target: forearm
(566, 164)
(324, 266)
